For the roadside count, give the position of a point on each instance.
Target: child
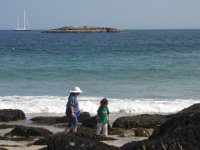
(103, 117)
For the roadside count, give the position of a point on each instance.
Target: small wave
(57, 105)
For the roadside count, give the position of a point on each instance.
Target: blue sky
(123, 14)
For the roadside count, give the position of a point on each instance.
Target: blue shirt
(72, 101)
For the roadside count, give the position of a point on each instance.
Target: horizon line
(127, 29)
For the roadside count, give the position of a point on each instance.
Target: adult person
(72, 110)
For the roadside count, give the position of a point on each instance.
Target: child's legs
(99, 128)
(105, 129)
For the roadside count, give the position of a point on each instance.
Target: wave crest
(57, 105)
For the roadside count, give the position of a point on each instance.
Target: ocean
(139, 71)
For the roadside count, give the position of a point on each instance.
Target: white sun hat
(76, 90)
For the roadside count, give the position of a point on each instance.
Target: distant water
(136, 69)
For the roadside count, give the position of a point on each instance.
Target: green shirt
(103, 113)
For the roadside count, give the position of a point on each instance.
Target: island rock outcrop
(82, 29)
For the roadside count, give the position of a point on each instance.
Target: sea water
(139, 71)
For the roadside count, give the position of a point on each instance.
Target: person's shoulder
(106, 107)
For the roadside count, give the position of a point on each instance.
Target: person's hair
(71, 94)
(104, 101)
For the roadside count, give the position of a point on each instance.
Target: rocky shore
(82, 29)
(178, 131)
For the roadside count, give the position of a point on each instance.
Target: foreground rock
(192, 109)
(91, 134)
(11, 115)
(29, 131)
(83, 29)
(73, 142)
(85, 138)
(144, 121)
(179, 132)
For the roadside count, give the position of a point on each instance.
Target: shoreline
(56, 105)
(126, 130)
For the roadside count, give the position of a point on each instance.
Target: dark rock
(1, 148)
(49, 120)
(41, 141)
(192, 109)
(2, 138)
(29, 131)
(44, 148)
(8, 138)
(180, 132)
(126, 122)
(116, 131)
(175, 123)
(90, 122)
(11, 115)
(85, 132)
(5, 126)
(56, 119)
(83, 116)
(141, 132)
(144, 121)
(150, 121)
(62, 141)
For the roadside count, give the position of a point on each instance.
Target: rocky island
(82, 29)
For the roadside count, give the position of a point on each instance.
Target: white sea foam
(57, 105)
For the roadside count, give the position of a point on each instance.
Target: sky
(122, 14)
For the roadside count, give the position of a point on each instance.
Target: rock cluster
(78, 141)
(179, 132)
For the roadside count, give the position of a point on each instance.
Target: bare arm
(72, 111)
